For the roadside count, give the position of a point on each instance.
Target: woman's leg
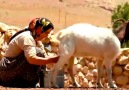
(20, 74)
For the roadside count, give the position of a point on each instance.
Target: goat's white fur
(80, 40)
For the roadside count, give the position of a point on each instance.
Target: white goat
(82, 40)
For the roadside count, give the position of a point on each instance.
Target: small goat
(81, 40)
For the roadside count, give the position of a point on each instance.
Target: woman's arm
(36, 60)
(32, 57)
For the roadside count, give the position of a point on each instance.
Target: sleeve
(26, 41)
(29, 51)
(28, 44)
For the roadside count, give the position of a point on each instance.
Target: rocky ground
(61, 12)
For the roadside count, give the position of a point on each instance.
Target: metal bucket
(59, 79)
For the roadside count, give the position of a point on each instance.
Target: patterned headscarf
(44, 23)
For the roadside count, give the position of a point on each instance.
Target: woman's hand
(53, 59)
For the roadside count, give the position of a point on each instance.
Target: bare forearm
(42, 61)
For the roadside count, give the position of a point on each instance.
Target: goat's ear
(53, 40)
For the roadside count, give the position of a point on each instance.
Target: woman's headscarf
(44, 23)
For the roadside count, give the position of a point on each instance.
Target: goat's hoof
(112, 86)
(99, 85)
(76, 85)
(37, 85)
(55, 86)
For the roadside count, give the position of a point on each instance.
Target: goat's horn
(124, 23)
(119, 20)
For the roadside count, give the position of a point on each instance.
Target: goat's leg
(70, 70)
(62, 60)
(100, 69)
(108, 65)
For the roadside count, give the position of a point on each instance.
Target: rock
(79, 67)
(85, 69)
(126, 73)
(123, 60)
(85, 83)
(81, 75)
(117, 70)
(126, 67)
(95, 72)
(89, 76)
(122, 80)
(91, 65)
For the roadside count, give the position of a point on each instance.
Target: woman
(20, 65)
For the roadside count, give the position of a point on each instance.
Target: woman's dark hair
(44, 23)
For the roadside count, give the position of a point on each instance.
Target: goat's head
(53, 42)
(123, 31)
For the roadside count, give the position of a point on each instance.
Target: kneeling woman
(20, 65)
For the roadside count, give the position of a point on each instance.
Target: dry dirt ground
(62, 13)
